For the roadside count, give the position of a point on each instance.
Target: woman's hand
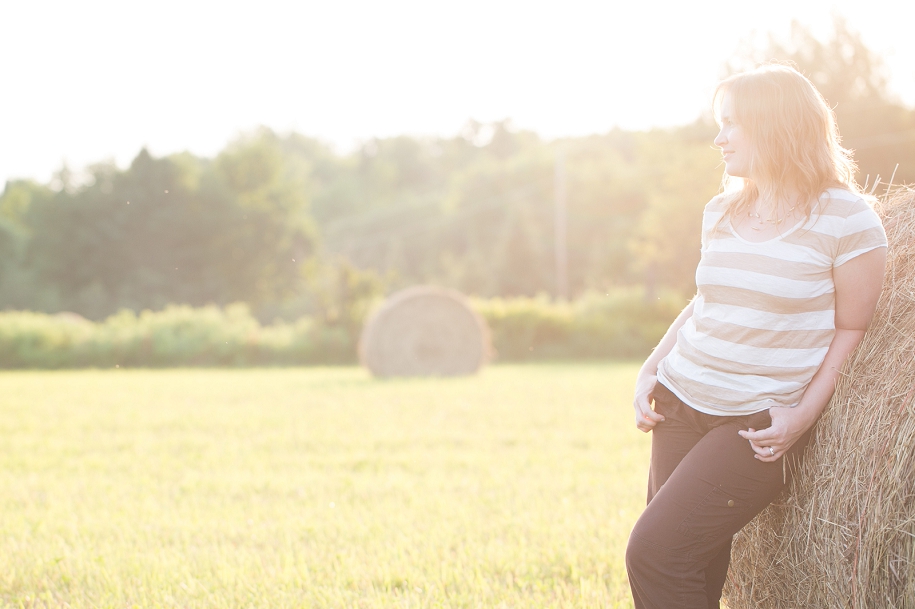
(788, 424)
(645, 417)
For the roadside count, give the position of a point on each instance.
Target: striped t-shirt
(764, 314)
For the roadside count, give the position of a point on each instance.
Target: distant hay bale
(843, 534)
(72, 318)
(424, 331)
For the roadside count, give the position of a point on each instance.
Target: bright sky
(92, 80)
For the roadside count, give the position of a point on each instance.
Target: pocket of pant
(714, 517)
(662, 397)
(657, 396)
(760, 420)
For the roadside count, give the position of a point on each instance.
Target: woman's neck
(768, 214)
(773, 210)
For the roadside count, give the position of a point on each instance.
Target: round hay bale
(424, 331)
(843, 533)
(72, 318)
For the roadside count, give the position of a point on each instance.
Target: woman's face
(733, 141)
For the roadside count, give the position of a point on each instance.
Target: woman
(792, 265)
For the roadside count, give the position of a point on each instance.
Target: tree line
(287, 225)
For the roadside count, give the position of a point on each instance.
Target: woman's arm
(858, 284)
(645, 417)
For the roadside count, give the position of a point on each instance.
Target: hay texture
(424, 331)
(843, 533)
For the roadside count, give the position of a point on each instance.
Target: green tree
(173, 230)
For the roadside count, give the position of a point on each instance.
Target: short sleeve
(862, 232)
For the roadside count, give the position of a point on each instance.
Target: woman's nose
(720, 140)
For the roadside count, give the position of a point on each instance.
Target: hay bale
(424, 331)
(843, 534)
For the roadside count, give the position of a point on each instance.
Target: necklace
(759, 223)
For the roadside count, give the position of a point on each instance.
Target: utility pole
(560, 225)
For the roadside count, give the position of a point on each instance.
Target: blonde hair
(795, 141)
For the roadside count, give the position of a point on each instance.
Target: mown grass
(318, 488)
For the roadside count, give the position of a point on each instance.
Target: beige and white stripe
(764, 313)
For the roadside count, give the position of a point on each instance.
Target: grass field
(318, 488)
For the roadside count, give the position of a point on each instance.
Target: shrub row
(621, 324)
(175, 336)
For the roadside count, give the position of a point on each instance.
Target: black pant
(704, 485)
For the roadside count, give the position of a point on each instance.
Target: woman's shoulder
(713, 219)
(718, 204)
(845, 203)
(853, 223)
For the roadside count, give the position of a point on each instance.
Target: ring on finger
(771, 452)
